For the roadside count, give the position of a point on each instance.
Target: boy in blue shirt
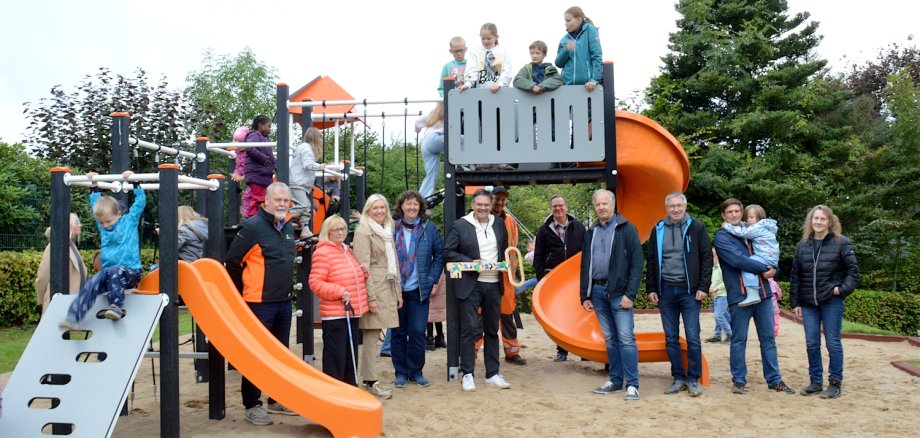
(119, 253)
(455, 68)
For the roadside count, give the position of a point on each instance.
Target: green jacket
(551, 78)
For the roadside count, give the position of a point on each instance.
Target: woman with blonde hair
(432, 147)
(76, 268)
(375, 249)
(338, 280)
(824, 273)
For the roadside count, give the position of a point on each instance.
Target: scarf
(407, 255)
(387, 236)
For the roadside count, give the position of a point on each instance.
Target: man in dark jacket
(260, 262)
(679, 271)
(559, 238)
(734, 258)
(478, 237)
(611, 270)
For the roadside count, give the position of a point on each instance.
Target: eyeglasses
(457, 50)
(339, 230)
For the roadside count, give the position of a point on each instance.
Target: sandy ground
(555, 399)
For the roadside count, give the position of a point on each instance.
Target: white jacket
(475, 68)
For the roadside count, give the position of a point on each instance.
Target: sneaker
(632, 393)
(257, 416)
(68, 324)
(738, 388)
(561, 357)
(280, 409)
(812, 389)
(694, 389)
(607, 388)
(833, 389)
(385, 354)
(306, 233)
(379, 391)
(400, 381)
(468, 384)
(114, 313)
(781, 387)
(498, 381)
(420, 380)
(516, 359)
(678, 386)
(714, 339)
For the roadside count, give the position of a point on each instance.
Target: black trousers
(488, 296)
(338, 353)
(276, 317)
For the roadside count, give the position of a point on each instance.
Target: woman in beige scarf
(374, 248)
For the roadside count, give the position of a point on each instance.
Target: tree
(229, 91)
(75, 129)
(871, 78)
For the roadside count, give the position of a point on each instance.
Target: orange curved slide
(225, 318)
(650, 163)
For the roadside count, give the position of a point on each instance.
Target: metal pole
(215, 250)
(305, 304)
(283, 122)
(610, 130)
(451, 201)
(60, 231)
(360, 189)
(168, 206)
(233, 196)
(121, 151)
(202, 169)
(346, 193)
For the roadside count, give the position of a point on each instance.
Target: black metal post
(283, 123)
(60, 231)
(233, 197)
(202, 169)
(168, 207)
(345, 204)
(215, 250)
(360, 188)
(121, 151)
(451, 201)
(610, 129)
(305, 304)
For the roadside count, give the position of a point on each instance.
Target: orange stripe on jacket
(253, 275)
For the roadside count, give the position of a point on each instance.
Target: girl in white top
(488, 66)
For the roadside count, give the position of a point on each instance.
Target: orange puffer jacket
(334, 272)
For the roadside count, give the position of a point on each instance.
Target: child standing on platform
(489, 65)
(579, 54)
(119, 253)
(455, 68)
(303, 176)
(260, 163)
(239, 170)
(538, 76)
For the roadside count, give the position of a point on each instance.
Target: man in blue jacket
(734, 257)
(611, 270)
(679, 272)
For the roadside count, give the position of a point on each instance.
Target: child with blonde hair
(488, 66)
(303, 176)
(762, 234)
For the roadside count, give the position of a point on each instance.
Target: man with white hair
(261, 263)
(611, 270)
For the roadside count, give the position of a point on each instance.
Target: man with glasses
(262, 254)
(457, 66)
(679, 271)
(478, 237)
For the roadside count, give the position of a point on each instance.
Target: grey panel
(500, 128)
(91, 401)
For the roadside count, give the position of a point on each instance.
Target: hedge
(18, 305)
(895, 311)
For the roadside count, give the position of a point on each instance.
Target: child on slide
(762, 233)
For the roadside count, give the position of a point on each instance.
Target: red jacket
(334, 272)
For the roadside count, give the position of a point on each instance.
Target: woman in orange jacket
(338, 280)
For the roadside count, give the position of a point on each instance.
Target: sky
(376, 50)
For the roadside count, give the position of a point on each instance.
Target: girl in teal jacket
(579, 55)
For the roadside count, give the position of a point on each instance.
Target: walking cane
(351, 339)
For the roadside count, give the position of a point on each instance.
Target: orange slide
(225, 318)
(651, 163)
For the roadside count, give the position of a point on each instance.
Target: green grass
(915, 363)
(855, 327)
(13, 341)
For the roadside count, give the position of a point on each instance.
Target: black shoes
(781, 387)
(812, 389)
(833, 389)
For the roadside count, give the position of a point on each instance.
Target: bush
(895, 311)
(18, 304)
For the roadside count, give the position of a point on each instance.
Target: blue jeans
(276, 317)
(111, 281)
(829, 315)
(619, 335)
(721, 315)
(527, 285)
(432, 147)
(751, 280)
(675, 303)
(387, 346)
(762, 313)
(408, 339)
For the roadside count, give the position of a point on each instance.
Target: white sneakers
(498, 381)
(468, 384)
(632, 393)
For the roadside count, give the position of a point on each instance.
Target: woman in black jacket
(824, 273)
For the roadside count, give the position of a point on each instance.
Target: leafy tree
(21, 178)
(74, 129)
(229, 91)
(871, 78)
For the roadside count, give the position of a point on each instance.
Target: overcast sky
(375, 50)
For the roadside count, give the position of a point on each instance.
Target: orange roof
(319, 89)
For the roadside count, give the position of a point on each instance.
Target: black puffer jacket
(815, 275)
